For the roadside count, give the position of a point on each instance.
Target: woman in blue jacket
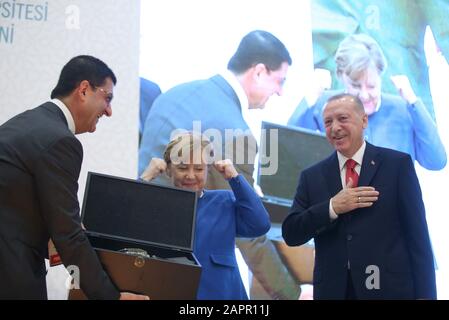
(221, 215)
(400, 122)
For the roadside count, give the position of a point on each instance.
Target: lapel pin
(372, 162)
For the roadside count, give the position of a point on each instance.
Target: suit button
(349, 237)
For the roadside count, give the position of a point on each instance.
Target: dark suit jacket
(391, 235)
(40, 162)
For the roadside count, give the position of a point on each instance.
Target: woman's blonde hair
(188, 142)
(356, 53)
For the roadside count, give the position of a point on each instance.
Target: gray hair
(356, 53)
(187, 142)
(348, 98)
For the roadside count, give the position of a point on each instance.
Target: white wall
(433, 183)
(30, 65)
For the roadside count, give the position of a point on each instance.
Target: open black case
(143, 234)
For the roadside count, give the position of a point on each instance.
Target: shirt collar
(231, 79)
(357, 157)
(67, 114)
(252, 117)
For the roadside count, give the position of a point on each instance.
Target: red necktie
(351, 173)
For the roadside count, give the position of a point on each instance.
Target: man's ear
(365, 121)
(82, 87)
(259, 69)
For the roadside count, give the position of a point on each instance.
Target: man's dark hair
(82, 68)
(355, 99)
(259, 47)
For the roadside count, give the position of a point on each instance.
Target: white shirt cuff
(332, 213)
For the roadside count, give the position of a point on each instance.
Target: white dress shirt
(357, 157)
(67, 114)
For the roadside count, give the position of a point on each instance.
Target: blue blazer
(396, 125)
(222, 216)
(213, 102)
(391, 235)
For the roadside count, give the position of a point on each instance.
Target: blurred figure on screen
(40, 162)
(220, 104)
(149, 91)
(400, 122)
(221, 216)
(399, 27)
(363, 207)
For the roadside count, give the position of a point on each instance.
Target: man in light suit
(364, 209)
(256, 71)
(40, 162)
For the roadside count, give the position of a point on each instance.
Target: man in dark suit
(40, 162)
(217, 105)
(364, 209)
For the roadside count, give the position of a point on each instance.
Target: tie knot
(350, 164)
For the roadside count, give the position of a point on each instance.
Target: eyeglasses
(108, 95)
